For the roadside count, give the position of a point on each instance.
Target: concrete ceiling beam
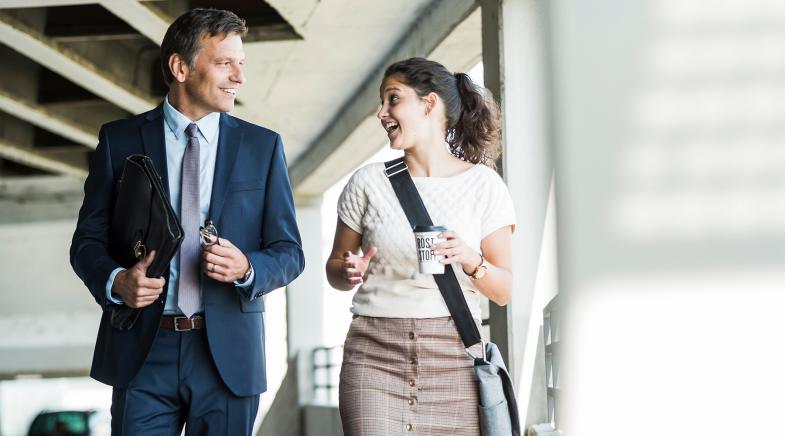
(295, 12)
(72, 66)
(37, 159)
(12, 4)
(38, 115)
(147, 21)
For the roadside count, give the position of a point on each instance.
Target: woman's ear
(430, 102)
(178, 67)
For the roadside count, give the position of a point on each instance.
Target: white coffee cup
(426, 237)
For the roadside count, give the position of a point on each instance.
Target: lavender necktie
(189, 297)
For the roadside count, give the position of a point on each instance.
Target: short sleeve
(499, 211)
(352, 203)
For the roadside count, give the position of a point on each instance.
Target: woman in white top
(405, 370)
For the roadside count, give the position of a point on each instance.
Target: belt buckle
(178, 329)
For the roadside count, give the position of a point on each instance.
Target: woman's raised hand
(354, 266)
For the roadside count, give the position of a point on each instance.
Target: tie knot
(192, 130)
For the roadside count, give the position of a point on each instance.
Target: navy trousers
(180, 385)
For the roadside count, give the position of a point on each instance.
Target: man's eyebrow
(392, 88)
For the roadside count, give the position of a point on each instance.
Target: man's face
(217, 74)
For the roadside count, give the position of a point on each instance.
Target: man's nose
(238, 76)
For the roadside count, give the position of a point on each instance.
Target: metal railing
(551, 336)
(325, 371)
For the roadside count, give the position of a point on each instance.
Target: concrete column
(305, 296)
(515, 67)
(493, 77)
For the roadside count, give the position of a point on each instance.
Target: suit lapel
(154, 144)
(229, 139)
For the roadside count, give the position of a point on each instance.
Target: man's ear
(178, 67)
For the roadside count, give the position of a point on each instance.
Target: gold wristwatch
(480, 271)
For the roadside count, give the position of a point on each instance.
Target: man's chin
(226, 107)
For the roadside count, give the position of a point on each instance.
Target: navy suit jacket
(251, 205)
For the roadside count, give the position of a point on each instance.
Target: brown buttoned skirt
(404, 376)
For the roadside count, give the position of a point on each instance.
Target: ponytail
(476, 135)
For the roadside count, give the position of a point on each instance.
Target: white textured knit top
(473, 203)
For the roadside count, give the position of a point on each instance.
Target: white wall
(44, 307)
(669, 120)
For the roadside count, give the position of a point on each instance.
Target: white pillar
(305, 298)
(515, 66)
(305, 295)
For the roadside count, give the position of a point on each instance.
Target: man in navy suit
(195, 356)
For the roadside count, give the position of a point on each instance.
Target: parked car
(71, 423)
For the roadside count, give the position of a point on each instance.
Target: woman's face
(403, 114)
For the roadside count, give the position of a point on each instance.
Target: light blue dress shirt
(176, 142)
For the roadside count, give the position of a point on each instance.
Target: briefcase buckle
(140, 251)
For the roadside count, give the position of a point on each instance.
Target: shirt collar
(177, 122)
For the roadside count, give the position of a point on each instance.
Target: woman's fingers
(451, 259)
(449, 235)
(452, 243)
(454, 251)
(351, 269)
(444, 252)
(353, 276)
(352, 273)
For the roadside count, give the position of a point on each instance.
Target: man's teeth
(389, 127)
(230, 91)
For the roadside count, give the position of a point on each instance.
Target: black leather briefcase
(142, 221)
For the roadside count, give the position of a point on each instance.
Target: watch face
(481, 270)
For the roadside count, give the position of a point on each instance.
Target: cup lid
(421, 229)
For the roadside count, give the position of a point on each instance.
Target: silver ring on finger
(212, 267)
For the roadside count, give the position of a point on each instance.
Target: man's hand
(135, 288)
(224, 262)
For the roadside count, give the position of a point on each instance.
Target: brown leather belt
(181, 323)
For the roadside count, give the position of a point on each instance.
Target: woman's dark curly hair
(473, 128)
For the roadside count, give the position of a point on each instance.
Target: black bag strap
(411, 202)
